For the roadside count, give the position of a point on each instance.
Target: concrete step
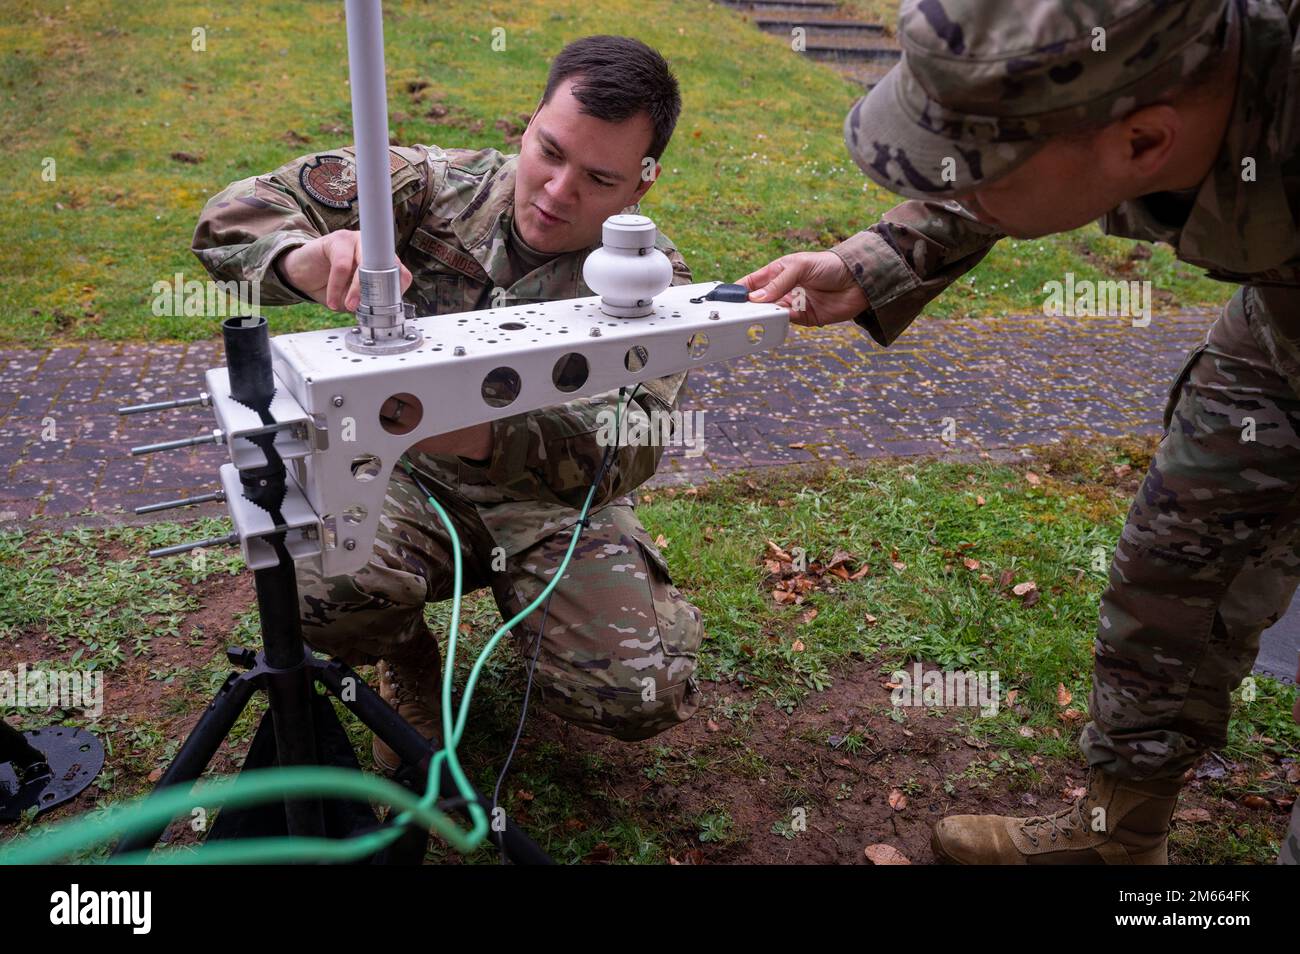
(783, 6)
(854, 28)
(853, 51)
(867, 73)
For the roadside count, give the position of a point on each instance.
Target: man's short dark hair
(616, 77)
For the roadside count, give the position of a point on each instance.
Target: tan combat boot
(1116, 822)
(410, 683)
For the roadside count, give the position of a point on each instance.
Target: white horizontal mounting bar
(345, 477)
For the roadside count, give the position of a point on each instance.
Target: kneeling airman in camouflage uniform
(478, 229)
(1176, 122)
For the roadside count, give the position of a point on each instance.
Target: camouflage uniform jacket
(1239, 230)
(453, 210)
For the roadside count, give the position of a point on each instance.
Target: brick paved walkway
(829, 394)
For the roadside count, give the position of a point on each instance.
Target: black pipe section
(248, 360)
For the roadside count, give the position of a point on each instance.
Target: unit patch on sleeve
(331, 181)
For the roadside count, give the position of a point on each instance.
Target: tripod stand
(302, 728)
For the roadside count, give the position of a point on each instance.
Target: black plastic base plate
(73, 758)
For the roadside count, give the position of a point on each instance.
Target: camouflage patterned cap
(984, 83)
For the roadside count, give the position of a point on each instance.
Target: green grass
(93, 599)
(100, 610)
(110, 90)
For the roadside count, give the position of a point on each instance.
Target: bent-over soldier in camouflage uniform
(1175, 122)
(478, 229)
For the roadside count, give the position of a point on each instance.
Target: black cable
(606, 462)
(610, 453)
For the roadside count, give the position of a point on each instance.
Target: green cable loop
(254, 787)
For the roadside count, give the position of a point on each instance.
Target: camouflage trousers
(1209, 557)
(618, 651)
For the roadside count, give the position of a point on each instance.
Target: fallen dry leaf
(871, 620)
(1063, 696)
(1071, 715)
(970, 564)
(798, 646)
(979, 501)
(777, 553)
(897, 800)
(1022, 589)
(883, 854)
(1033, 479)
(661, 542)
(602, 854)
(1193, 816)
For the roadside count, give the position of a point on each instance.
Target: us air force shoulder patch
(330, 180)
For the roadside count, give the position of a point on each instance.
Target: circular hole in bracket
(697, 344)
(755, 334)
(355, 514)
(636, 358)
(401, 413)
(501, 387)
(570, 372)
(512, 326)
(366, 467)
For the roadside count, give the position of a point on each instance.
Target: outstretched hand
(817, 287)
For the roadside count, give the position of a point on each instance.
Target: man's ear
(1149, 135)
(536, 109)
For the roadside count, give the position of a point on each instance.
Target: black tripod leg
(204, 740)
(416, 751)
(289, 685)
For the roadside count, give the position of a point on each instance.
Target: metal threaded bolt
(349, 544)
(459, 351)
(595, 332)
(337, 400)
